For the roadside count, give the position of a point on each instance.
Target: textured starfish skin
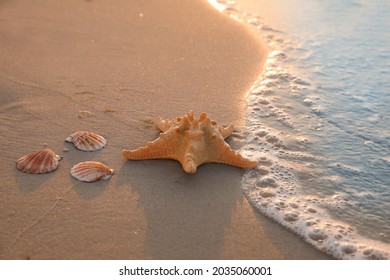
(192, 142)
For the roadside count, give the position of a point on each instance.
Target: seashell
(87, 141)
(42, 161)
(91, 171)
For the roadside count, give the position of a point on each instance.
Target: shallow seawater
(318, 121)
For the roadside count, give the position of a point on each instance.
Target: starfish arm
(225, 131)
(189, 165)
(163, 125)
(224, 154)
(153, 150)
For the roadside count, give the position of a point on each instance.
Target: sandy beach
(112, 67)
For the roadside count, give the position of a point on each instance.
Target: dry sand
(111, 67)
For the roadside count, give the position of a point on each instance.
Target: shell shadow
(89, 191)
(29, 183)
(186, 213)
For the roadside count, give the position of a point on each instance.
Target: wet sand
(112, 67)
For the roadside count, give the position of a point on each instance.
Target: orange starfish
(192, 142)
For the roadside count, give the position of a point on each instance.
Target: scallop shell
(91, 171)
(42, 161)
(87, 141)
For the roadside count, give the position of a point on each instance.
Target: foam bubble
(277, 54)
(267, 193)
(291, 216)
(318, 235)
(348, 249)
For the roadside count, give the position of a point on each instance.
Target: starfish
(192, 142)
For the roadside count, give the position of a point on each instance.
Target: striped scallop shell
(91, 171)
(87, 141)
(42, 161)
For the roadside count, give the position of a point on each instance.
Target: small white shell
(87, 141)
(91, 171)
(42, 161)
